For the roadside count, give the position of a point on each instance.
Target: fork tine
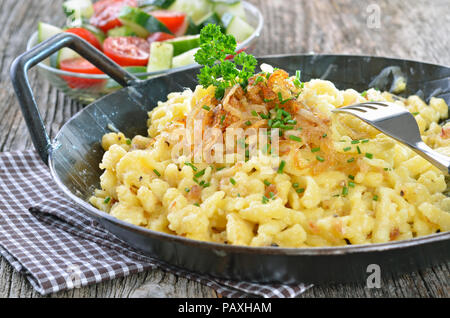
(365, 106)
(354, 111)
(379, 104)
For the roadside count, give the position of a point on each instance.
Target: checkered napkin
(45, 237)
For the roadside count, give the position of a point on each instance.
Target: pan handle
(37, 54)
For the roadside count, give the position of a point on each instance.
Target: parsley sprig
(214, 48)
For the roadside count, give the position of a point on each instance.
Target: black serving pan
(74, 155)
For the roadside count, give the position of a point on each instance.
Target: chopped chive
(197, 204)
(297, 83)
(369, 155)
(280, 97)
(200, 173)
(281, 167)
(267, 183)
(365, 141)
(128, 141)
(351, 184)
(157, 172)
(107, 199)
(319, 158)
(191, 165)
(268, 100)
(264, 116)
(347, 148)
(220, 168)
(359, 150)
(271, 194)
(415, 113)
(239, 195)
(259, 79)
(277, 124)
(295, 138)
(364, 94)
(286, 100)
(207, 184)
(353, 142)
(315, 149)
(375, 197)
(248, 123)
(324, 135)
(344, 191)
(206, 108)
(386, 169)
(298, 74)
(187, 189)
(351, 160)
(295, 185)
(301, 190)
(351, 177)
(222, 118)
(233, 182)
(202, 183)
(279, 114)
(254, 113)
(265, 199)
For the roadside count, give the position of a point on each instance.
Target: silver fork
(396, 122)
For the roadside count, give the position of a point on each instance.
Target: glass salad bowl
(86, 88)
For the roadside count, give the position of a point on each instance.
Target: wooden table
(406, 29)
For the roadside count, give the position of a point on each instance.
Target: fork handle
(439, 160)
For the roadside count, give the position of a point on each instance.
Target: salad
(142, 35)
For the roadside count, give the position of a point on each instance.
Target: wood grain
(408, 29)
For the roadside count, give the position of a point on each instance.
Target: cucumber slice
(161, 55)
(196, 9)
(78, 8)
(184, 59)
(184, 43)
(46, 31)
(99, 34)
(163, 4)
(237, 27)
(121, 31)
(192, 27)
(141, 22)
(212, 18)
(113, 85)
(236, 9)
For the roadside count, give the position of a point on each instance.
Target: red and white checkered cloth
(45, 237)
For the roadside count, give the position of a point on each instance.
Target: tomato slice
(107, 11)
(174, 21)
(86, 35)
(80, 65)
(159, 37)
(127, 50)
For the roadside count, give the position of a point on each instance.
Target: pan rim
(236, 249)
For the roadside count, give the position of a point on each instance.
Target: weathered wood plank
(408, 29)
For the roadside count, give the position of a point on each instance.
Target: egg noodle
(293, 174)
